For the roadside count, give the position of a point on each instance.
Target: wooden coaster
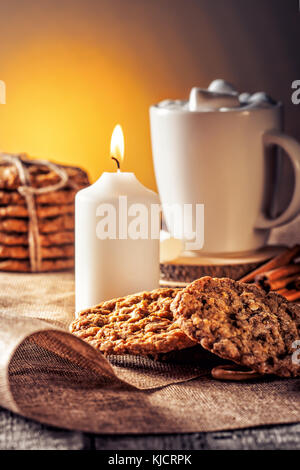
(189, 267)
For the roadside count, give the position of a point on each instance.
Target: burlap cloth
(51, 376)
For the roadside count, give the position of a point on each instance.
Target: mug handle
(292, 149)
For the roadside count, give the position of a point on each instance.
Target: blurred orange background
(74, 69)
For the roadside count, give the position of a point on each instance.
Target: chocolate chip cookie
(137, 324)
(239, 322)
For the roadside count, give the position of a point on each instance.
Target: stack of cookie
(234, 321)
(54, 214)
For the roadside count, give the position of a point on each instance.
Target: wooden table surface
(17, 433)
(23, 434)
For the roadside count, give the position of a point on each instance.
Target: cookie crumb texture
(137, 324)
(239, 322)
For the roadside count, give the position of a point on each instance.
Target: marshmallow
(261, 97)
(165, 103)
(244, 97)
(205, 100)
(220, 95)
(221, 86)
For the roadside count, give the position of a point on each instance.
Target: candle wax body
(109, 268)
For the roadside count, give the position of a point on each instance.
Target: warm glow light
(117, 143)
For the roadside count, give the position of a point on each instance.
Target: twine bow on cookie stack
(21, 163)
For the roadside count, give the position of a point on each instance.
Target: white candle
(115, 252)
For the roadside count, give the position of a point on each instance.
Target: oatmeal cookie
(137, 324)
(56, 224)
(42, 211)
(239, 322)
(48, 239)
(40, 176)
(62, 196)
(22, 252)
(46, 265)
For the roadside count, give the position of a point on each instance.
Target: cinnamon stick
(293, 295)
(295, 284)
(278, 273)
(233, 372)
(278, 283)
(281, 260)
(283, 292)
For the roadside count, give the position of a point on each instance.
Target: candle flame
(117, 144)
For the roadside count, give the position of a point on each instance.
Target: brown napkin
(51, 376)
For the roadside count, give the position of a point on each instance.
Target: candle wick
(117, 162)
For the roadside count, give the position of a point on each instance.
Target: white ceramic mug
(217, 157)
